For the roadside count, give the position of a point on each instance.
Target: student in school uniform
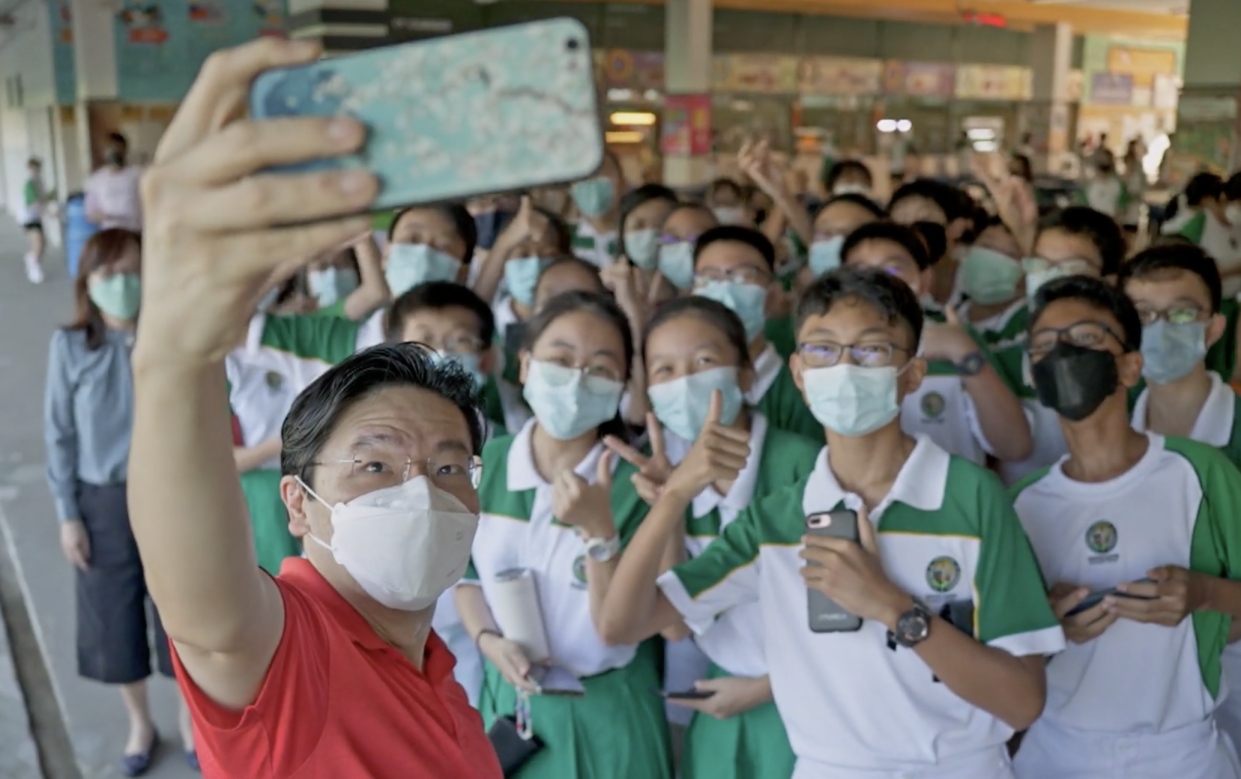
(554, 503)
(677, 237)
(349, 283)
(643, 212)
(598, 206)
(1176, 291)
(839, 216)
(695, 348)
(941, 209)
(1204, 220)
(966, 403)
(908, 694)
(992, 282)
(736, 266)
(1133, 693)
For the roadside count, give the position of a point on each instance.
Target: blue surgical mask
(642, 248)
(1170, 352)
(521, 277)
(852, 400)
(594, 197)
(119, 295)
(747, 301)
(676, 263)
(825, 255)
(330, 284)
(469, 362)
(411, 264)
(989, 277)
(567, 403)
(681, 405)
(732, 215)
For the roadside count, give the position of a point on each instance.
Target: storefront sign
(641, 70)
(763, 73)
(839, 76)
(686, 126)
(919, 79)
(993, 82)
(1111, 89)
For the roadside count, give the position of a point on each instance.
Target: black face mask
(1074, 381)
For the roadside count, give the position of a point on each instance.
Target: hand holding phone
(1097, 596)
(686, 695)
(824, 614)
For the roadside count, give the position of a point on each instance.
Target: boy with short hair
(36, 198)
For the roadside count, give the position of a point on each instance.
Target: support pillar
(95, 76)
(1047, 116)
(1208, 131)
(687, 110)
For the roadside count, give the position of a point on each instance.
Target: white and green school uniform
(1006, 325)
(280, 358)
(942, 408)
(753, 743)
(617, 729)
(1216, 239)
(1137, 701)
(1219, 425)
(598, 248)
(854, 707)
(774, 393)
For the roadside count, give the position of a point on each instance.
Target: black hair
(118, 140)
(1203, 186)
(840, 168)
(571, 259)
(436, 296)
(319, 407)
(1232, 189)
(935, 237)
(905, 237)
(952, 201)
(737, 234)
(34, 161)
(559, 227)
(1025, 169)
(637, 198)
(711, 311)
(689, 205)
(1183, 257)
(1095, 226)
(601, 306)
(1095, 293)
(463, 224)
(886, 294)
(727, 183)
(861, 201)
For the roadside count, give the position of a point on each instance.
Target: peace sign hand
(718, 455)
(653, 471)
(588, 507)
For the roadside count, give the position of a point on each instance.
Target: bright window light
(904, 126)
(620, 95)
(633, 118)
(624, 136)
(986, 146)
(886, 125)
(983, 134)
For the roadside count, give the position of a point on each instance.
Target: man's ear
(1216, 326)
(296, 501)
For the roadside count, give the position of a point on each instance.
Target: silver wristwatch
(602, 550)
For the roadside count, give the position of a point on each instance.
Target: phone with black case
(824, 614)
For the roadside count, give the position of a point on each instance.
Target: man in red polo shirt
(330, 670)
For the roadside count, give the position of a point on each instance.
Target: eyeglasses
(596, 371)
(743, 274)
(826, 354)
(463, 344)
(668, 240)
(1074, 267)
(377, 468)
(1173, 316)
(1087, 334)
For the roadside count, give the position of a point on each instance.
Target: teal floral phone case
(490, 111)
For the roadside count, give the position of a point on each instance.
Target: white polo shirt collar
(522, 473)
(254, 334)
(766, 369)
(742, 491)
(920, 483)
(1214, 423)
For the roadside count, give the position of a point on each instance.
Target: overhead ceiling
(1180, 7)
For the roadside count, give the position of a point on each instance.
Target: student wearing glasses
(1147, 522)
(680, 232)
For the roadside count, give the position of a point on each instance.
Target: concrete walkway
(93, 713)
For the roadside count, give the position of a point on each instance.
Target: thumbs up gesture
(585, 506)
(718, 455)
(947, 340)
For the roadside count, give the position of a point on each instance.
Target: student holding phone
(695, 352)
(908, 694)
(555, 503)
(1134, 692)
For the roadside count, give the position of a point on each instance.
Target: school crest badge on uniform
(274, 380)
(579, 571)
(943, 574)
(932, 405)
(1101, 538)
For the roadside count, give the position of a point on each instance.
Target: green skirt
(617, 730)
(269, 519)
(751, 745)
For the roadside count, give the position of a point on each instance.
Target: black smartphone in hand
(824, 614)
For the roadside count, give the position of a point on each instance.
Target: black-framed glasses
(825, 354)
(1181, 315)
(1087, 334)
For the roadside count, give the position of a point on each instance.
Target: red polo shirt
(340, 703)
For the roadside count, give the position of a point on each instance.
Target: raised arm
(372, 292)
(211, 242)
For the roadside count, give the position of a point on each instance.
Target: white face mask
(1233, 214)
(731, 215)
(403, 545)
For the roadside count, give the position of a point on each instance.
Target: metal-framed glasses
(371, 469)
(1088, 334)
(825, 354)
(1181, 315)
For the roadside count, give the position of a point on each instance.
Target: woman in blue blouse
(88, 414)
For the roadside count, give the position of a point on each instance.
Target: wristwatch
(601, 550)
(914, 626)
(971, 364)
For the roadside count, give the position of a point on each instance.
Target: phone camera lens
(572, 44)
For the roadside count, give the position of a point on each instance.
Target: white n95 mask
(403, 545)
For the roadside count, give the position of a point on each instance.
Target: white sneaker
(34, 269)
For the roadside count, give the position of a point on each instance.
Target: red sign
(986, 20)
(687, 125)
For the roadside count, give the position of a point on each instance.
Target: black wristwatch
(913, 627)
(971, 364)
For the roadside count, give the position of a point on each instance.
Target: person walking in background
(87, 421)
(35, 198)
(112, 198)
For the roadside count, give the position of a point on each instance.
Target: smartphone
(825, 615)
(686, 695)
(483, 112)
(1095, 597)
